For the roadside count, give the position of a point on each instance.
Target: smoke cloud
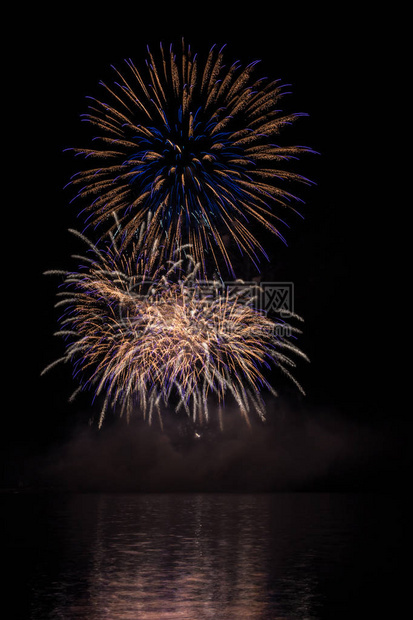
(294, 450)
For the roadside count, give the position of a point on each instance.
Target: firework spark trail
(193, 144)
(147, 336)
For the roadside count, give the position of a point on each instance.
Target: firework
(195, 144)
(148, 335)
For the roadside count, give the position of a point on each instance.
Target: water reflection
(229, 557)
(187, 556)
(194, 558)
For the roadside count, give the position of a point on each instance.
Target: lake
(198, 556)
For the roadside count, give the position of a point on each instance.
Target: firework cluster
(184, 158)
(194, 146)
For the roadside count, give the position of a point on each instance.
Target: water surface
(190, 556)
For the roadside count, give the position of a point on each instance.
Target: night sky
(348, 432)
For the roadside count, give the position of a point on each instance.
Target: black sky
(338, 256)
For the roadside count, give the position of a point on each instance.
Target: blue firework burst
(194, 146)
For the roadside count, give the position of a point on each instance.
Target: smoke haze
(293, 450)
